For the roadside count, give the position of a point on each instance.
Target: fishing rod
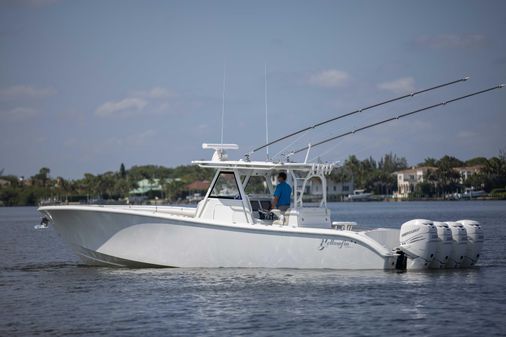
(355, 112)
(310, 146)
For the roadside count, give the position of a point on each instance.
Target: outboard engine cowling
(418, 240)
(459, 244)
(475, 239)
(444, 246)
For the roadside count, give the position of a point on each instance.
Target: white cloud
(399, 86)
(20, 113)
(451, 41)
(163, 107)
(329, 78)
(25, 92)
(126, 105)
(157, 99)
(467, 134)
(156, 92)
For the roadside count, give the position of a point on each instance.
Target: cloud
(399, 86)
(467, 134)
(329, 78)
(156, 92)
(127, 105)
(451, 41)
(25, 92)
(157, 99)
(20, 113)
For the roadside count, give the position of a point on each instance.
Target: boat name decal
(334, 242)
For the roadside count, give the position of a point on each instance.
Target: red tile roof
(198, 185)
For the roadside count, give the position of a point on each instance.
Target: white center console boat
(231, 228)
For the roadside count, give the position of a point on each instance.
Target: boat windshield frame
(215, 182)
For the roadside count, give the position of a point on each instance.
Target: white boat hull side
(127, 239)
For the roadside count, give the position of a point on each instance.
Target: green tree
(429, 161)
(121, 188)
(477, 161)
(424, 190)
(42, 177)
(9, 196)
(122, 171)
(445, 178)
(446, 162)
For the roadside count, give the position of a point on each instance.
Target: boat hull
(122, 238)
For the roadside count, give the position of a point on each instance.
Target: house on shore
(335, 189)
(146, 185)
(4, 183)
(409, 178)
(468, 171)
(197, 190)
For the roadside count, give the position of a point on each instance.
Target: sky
(88, 85)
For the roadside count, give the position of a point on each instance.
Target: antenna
(219, 150)
(266, 116)
(223, 100)
(394, 118)
(356, 112)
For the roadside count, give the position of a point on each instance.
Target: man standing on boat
(282, 194)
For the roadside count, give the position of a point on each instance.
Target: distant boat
(360, 195)
(471, 193)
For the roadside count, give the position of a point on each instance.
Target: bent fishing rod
(310, 146)
(355, 112)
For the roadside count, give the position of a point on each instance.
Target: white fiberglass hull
(123, 237)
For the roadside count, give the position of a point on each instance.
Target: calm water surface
(44, 290)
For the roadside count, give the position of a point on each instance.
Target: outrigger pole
(355, 112)
(310, 146)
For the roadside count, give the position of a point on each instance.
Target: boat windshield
(257, 185)
(225, 187)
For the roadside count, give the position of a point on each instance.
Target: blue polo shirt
(283, 192)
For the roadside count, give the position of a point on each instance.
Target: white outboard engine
(475, 239)
(444, 246)
(459, 244)
(419, 242)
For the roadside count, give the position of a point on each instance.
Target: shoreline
(333, 202)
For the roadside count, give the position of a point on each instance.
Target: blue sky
(87, 85)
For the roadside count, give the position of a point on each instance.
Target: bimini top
(262, 165)
(220, 161)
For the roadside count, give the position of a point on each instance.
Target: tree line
(375, 176)
(371, 175)
(111, 185)
(441, 180)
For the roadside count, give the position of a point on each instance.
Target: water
(44, 290)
